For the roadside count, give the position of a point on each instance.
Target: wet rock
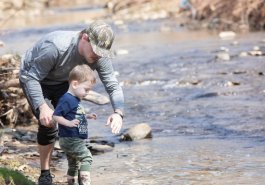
(98, 145)
(255, 53)
(239, 72)
(165, 29)
(96, 148)
(230, 83)
(223, 56)
(102, 142)
(206, 95)
(227, 35)
(121, 52)
(139, 131)
(243, 54)
(25, 136)
(57, 154)
(256, 48)
(118, 22)
(96, 98)
(2, 44)
(235, 43)
(225, 49)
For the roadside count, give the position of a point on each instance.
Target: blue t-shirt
(70, 108)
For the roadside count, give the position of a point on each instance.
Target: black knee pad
(46, 135)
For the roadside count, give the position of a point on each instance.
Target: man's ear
(85, 36)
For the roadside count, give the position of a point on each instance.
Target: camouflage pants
(79, 158)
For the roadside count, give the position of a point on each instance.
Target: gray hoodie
(51, 59)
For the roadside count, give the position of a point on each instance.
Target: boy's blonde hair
(82, 73)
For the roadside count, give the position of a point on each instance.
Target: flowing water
(207, 115)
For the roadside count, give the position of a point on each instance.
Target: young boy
(72, 122)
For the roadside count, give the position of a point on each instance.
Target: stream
(207, 115)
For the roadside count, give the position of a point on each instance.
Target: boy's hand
(115, 122)
(73, 123)
(91, 116)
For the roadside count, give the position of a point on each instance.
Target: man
(187, 5)
(44, 74)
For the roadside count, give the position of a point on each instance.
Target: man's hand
(115, 122)
(46, 116)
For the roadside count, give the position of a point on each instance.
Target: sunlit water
(205, 130)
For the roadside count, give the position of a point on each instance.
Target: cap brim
(102, 52)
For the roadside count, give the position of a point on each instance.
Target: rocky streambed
(201, 93)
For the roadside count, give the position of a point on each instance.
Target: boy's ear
(74, 83)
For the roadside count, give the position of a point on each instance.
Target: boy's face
(80, 90)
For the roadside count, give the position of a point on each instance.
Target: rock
(96, 148)
(96, 98)
(229, 84)
(256, 48)
(121, 52)
(243, 54)
(102, 142)
(235, 43)
(227, 35)
(57, 145)
(223, 56)
(2, 44)
(255, 53)
(224, 49)
(118, 22)
(139, 131)
(7, 57)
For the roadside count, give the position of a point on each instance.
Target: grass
(12, 177)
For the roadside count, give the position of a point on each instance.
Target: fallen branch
(10, 83)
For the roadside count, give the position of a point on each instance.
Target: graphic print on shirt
(82, 127)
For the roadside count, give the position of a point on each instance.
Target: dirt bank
(227, 14)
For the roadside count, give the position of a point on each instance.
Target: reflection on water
(182, 160)
(205, 130)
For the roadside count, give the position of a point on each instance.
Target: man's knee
(46, 135)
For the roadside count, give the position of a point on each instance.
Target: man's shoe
(45, 179)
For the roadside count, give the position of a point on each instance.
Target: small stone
(223, 56)
(227, 35)
(243, 54)
(224, 49)
(121, 52)
(235, 43)
(2, 44)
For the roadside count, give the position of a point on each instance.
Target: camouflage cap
(101, 38)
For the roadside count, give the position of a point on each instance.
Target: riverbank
(208, 14)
